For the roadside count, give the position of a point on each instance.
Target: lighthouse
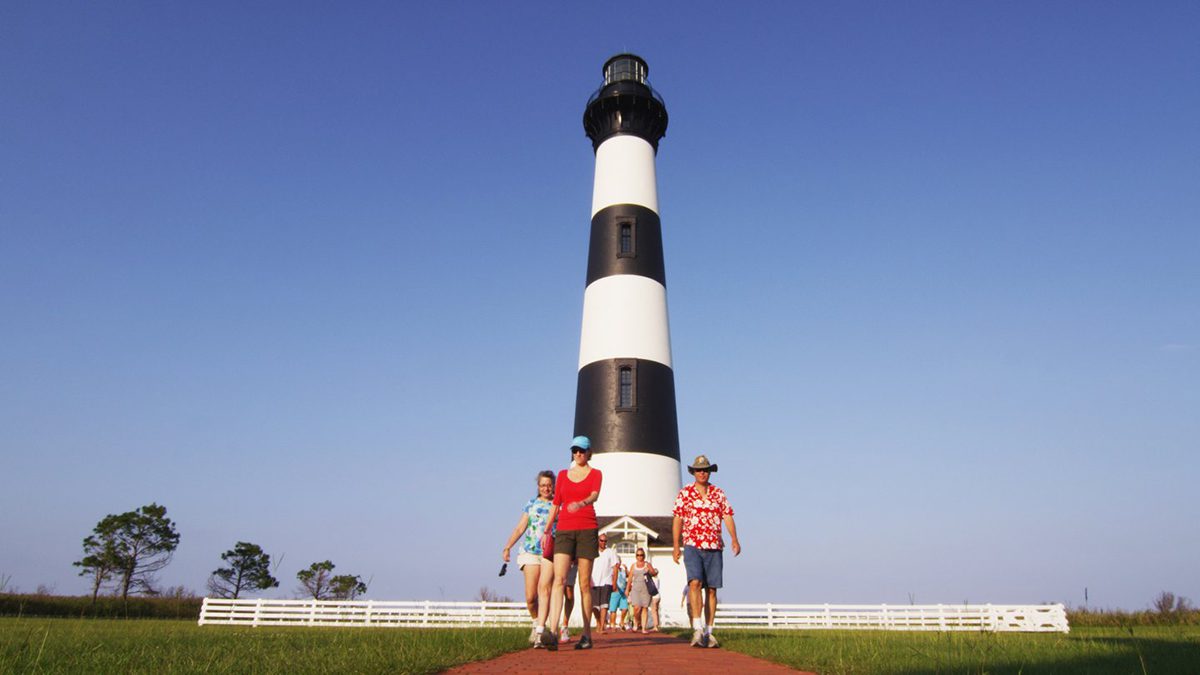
(625, 397)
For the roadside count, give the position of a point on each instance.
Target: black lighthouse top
(625, 104)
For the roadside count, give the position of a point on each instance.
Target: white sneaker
(533, 635)
(564, 636)
(697, 637)
(712, 641)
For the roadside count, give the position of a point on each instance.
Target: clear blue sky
(312, 277)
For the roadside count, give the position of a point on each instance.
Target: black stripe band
(642, 253)
(649, 425)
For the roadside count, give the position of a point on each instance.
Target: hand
(574, 506)
(675, 555)
(737, 548)
(505, 556)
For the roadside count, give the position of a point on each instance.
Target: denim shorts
(703, 564)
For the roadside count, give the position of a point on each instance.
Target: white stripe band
(637, 484)
(624, 174)
(625, 317)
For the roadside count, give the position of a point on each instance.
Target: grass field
(1158, 649)
(158, 646)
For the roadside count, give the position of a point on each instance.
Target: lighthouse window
(626, 386)
(628, 240)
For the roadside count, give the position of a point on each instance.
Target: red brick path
(625, 653)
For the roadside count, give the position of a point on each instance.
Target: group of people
(561, 542)
(617, 588)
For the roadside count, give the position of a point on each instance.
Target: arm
(586, 501)
(516, 534)
(676, 531)
(737, 547)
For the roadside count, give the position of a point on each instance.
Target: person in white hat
(700, 508)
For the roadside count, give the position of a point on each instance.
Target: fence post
(425, 617)
(770, 616)
(370, 604)
(828, 620)
(257, 611)
(483, 605)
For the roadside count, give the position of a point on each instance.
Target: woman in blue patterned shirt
(539, 572)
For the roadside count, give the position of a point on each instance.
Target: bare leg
(545, 581)
(532, 574)
(562, 562)
(695, 600)
(712, 605)
(585, 593)
(654, 610)
(568, 604)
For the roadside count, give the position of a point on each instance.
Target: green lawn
(158, 646)
(161, 646)
(1162, 649)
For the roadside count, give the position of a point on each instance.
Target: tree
(249, 570)
(318, 581)
(136, 544)
(99, 562)
(488, 595)
(315, 580)
(346, 587)
(1167, 604)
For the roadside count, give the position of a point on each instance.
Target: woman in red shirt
(575, 491)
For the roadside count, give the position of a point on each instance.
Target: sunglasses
(575, 450)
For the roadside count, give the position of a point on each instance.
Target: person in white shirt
(602, 572)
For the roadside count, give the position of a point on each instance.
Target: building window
(626, 385)
(627, 243)
(626, 548)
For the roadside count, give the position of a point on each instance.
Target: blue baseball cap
(581, 442)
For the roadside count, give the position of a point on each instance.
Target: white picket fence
(431, 614)
(994, 618)
(406, 613)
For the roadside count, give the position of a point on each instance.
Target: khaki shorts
(524, 559)
(578, 543)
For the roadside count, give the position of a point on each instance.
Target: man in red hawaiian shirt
(700, 508)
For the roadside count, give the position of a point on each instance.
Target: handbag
(548, 546)
(650, 586)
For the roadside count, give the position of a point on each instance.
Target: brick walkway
(625, 653)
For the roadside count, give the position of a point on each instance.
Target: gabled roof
(656, 528)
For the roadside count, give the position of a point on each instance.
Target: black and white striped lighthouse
(625, 400)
